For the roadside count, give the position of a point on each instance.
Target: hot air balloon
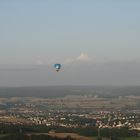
(57, 67)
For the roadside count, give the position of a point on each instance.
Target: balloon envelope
(57, 67)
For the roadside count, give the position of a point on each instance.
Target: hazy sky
(96, 41)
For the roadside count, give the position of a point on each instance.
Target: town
(72, 112)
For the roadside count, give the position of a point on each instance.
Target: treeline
(16, 130)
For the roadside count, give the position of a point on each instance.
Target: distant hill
(61, 91)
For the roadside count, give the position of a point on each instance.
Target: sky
(97, 42)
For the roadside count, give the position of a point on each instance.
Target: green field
(132, 138)
(1, 136)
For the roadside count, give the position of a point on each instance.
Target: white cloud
(83, 57)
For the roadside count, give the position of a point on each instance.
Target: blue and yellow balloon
(57, 67)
